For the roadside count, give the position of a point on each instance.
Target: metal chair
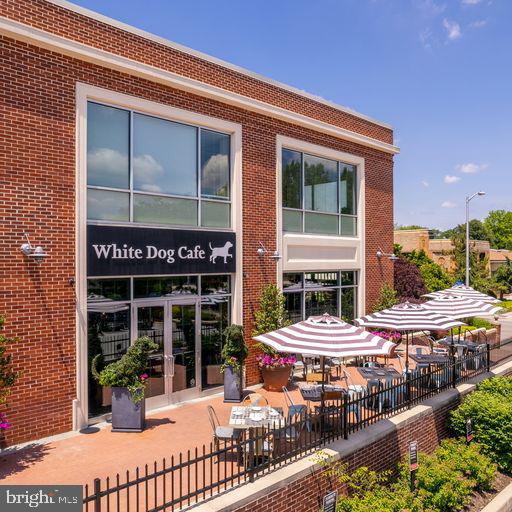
(371, 364)
(221, 433)
(255, 399)
(358, 388)
(373, 402)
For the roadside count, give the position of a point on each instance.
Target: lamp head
(481, 193)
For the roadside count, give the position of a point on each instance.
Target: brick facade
(37, 190)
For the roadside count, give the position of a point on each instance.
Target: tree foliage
(434, 276)
(8, 375)
(499, 225)
(503, 278)
(271, 315)
(409, 284)
(477, 231)
(388, 297)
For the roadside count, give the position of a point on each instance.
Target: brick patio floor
(81, 457)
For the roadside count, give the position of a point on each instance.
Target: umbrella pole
(406, 352)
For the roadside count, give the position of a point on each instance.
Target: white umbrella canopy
(463, 291)
(326, 335)
(460, 307)
(409, 317)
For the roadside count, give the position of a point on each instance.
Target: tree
(271, 315)
(502, 278)
(387, 298)
(434, 276)
(478, 274)
(409, 284)
(499, 225)
(477, 231)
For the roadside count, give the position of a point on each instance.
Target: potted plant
(272, 315)
(275, 370)
(234, 353)
(127, 378)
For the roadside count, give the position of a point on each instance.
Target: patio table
(471, 345)
(314, 393)
(246, 417)
(379, 373)
(429, 358)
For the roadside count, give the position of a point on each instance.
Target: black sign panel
(330, 500)
(123, 251)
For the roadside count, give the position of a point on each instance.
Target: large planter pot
(233, 385)
(275, 378)
(127, 416)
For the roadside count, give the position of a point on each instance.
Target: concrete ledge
(502, 502)
(341, 449)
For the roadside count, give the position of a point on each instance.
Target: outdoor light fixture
(33, 252)
(262, 250)
(468, 199)
(390, 255)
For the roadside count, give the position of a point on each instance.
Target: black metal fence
(194, 476)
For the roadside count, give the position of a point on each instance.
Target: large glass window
(169, 174)
(319, 195)
(315, 293)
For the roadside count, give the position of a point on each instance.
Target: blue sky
(439, 71)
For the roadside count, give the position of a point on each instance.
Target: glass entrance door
(173, 370)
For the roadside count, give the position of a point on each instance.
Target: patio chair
(374, 402)
(293, 408)
(300, 366)
(317, 377)
(461, 352)
(255, 399)
(221, 433)
(420, 350)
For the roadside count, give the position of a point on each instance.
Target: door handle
(170, 363)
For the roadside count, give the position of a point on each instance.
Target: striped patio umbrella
(460, 307)
(326, 335)
(463, 291)
(409, 317)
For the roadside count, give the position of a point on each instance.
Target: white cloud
(426, 184)
(478, 24)
(471, 168)
(430, 8)
(215, 175)
(107, 167)
(425, 38)
(470, 2)
(449, 179)
(147, 172)
(452, 29)
(448, 204)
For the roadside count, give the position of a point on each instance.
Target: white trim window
(149, 170)
(315, 293)
(319, 195)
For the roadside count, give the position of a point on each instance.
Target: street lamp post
(468, 199)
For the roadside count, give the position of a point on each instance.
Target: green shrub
(388, 297)
(128, 372)
(434, 276)
(234, 351)
(507, 304)
(490, 408)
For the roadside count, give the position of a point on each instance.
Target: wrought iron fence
(196, 475)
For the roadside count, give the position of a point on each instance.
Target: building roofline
(208, 58)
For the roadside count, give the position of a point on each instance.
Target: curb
(502, 502)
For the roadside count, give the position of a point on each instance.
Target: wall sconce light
(262, 250)
(380, 253)
(33, 252)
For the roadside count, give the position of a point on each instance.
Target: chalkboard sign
(330, 500)
(469, 430)
(413, 456)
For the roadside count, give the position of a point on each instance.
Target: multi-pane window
(315, 293)
(319, 195)
(149, 170)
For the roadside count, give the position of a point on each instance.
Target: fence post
(97, 495)
(345, 416)
(250, 457)
(488, 356)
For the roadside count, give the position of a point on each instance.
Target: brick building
(166, 188)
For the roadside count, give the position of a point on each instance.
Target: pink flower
(4, 424)
(144, 376)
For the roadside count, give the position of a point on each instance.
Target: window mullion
(130, 166)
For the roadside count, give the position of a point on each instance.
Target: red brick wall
(305, 494)
(37, 190)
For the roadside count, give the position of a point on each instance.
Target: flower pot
(127, 416)
(275, 378)
(233, 386)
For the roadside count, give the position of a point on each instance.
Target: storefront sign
(122, 251)
(330, 500)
